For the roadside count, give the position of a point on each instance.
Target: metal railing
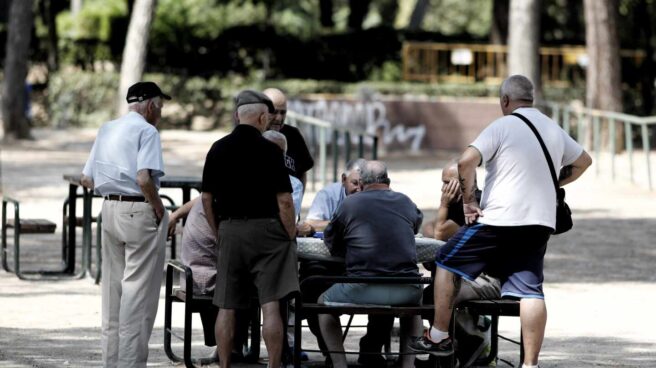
(468, 63)
(322, 134)
(585, 125)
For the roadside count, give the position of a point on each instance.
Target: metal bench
(492, 308)
(195, 304)
(22, 226)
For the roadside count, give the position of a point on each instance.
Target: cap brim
(165, 96)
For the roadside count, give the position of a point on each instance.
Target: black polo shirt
(245, 172)
(298, 159)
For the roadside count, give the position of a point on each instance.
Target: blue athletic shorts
(514, 254)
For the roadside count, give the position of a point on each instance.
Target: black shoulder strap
(544, 148)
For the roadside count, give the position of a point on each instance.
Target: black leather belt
(125, 198)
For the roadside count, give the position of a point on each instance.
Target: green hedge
(88, 99)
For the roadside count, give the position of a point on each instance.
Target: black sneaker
(425, 345)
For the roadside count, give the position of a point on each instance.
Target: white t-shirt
(122, 148)
(518, 186)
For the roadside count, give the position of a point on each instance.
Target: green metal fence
(585, 125)
(322, 136)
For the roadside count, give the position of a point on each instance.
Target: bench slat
(33, 226)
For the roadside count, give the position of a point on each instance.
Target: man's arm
(577, 168)
(207, 199)
(86, 181)
(333, 237)
(180, 213)
(318, 225)
(303, 180)
(445, 228)
(467, 164)
(318, 215)
(149, 191)
(286, 208)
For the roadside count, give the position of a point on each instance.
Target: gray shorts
(394, 294)
(256, 252)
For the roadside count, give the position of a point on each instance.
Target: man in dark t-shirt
(297, 159)
(256, 230)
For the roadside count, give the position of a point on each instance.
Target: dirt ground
(600, 284)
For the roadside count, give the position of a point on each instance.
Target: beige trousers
(133, 249)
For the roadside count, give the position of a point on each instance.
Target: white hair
(140, 106)
(277, 138)
(251, 110)
(518, 88)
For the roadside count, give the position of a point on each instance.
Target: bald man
(375, 230)
(449, 215)
(297, 159)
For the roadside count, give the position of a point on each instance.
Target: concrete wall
(409, 125)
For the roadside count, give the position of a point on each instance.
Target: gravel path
(600, 284)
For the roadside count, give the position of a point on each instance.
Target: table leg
(86, 230)
(69, 249)
(186, 195)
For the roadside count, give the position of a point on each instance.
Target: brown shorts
(257, 253)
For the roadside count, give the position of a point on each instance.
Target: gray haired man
(124, 167)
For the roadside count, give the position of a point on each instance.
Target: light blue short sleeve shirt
(326, 202)
(122, 148)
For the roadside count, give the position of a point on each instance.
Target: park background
(419, 76)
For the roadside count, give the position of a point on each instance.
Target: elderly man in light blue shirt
(328, 199)
(124, 166)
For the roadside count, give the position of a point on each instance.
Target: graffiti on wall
(368, 116)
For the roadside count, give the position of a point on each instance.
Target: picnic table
(315, 249)
(185, 183)
(74, 182)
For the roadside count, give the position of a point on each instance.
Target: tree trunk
(388, 10)
(499, 28)
(48, 17)
(524, 41)
(326, 13)
(14, 94)
(136, 47)
(603, 74)
(358, 11)
(418, 14)
(76, 6)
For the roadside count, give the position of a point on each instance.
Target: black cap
(142, 91)
(247, 97)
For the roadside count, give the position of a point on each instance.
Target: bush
(88, 99)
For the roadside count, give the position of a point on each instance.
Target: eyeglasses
(281, 112)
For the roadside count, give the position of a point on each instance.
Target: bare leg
(533, 315)
(410, 326)
(446, 288)
(224, 330)
(331, 330)
(272, 332)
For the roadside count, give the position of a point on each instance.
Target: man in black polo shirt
(297, 159)
(255, 222)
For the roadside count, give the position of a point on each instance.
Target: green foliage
(94, 21)
(81, 99)
(88, 99)
(177, 20)
(390, 71)
(451, 17)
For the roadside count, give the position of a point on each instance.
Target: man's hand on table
(304, 229)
